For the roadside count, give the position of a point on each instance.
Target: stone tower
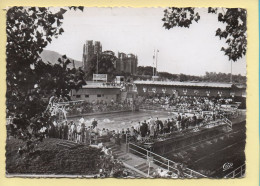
(89, 50)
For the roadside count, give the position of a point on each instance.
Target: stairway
(144, 168)
(131, 161)
(69, 144)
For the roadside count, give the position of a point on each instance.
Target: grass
(49, 158)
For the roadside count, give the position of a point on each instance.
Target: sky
(192, 51)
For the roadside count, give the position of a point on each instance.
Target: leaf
(81, 8)
(59, 22)
(61, 30)
(62, 10)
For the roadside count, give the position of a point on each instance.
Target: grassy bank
(49, 158)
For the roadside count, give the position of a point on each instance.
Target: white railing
(162, 161)
(227, 121)
(237, 173)
(70, 102)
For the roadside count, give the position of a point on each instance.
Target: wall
(190, 90)
(91, 94)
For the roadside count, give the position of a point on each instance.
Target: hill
(52, 57)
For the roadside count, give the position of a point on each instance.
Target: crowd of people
(151, 129)
(199, 112)
(98, 106)
(188, 103)
(205, 110)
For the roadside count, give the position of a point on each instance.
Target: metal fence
(163, 162)
(237, 173)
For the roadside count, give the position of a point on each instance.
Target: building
(126, 63)
(97, 92)
(190, 88)
(89, 51)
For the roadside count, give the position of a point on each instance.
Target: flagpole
(231, 73)
(156, 61)
(97, 62)
(153, 60)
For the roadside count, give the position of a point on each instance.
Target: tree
(145, 70)
(29, 80)
(234, 32)
(105, 62)
(168, 76)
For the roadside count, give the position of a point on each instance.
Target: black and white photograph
(126, 92)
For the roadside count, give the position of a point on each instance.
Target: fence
(237, 173)
(163, 162)
(227, 121)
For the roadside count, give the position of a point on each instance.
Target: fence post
(233, 174)
(168, 165)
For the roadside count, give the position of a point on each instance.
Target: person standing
(152, 131)
(194, 119)
(145, 127)
(179, 121)
(74, 132)
(94, 123)
(152, 121)
(78, 133)
(165, 127)
(182, 122)
(61, 131)
(142, 131)
(66, 130)
(87, 135)
(82, 132)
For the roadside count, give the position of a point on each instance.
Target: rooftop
(178, 83)
(100, 85)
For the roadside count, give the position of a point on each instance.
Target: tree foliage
(145, 70)
(29, 80)
(105, 62)
(233, 18)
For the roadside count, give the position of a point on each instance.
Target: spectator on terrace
(152, 130)
(74, 131)
(132, 132)
(82, 132)
(194, 119)
(87, 134)
(165, 127)
(138, 126)
(78, 133)
(214, 116)
(94, 123)
(143, 130)
(66, 130)
(183, 122)
(145, 127)
(61, 130)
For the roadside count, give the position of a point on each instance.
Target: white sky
(193, 50)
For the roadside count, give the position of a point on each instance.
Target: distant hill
(52, 57)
